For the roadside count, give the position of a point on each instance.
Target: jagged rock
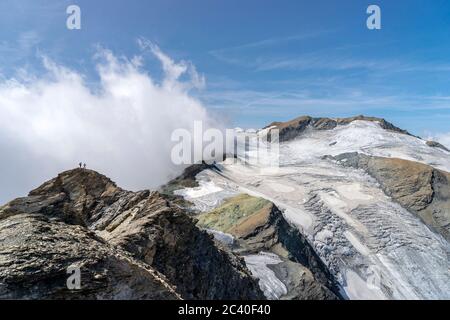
(301, 283)
(36, 252)
(418, 187)
(124, 238)
(184, 180)
(291, 129)
(167, 239)
(259, 226)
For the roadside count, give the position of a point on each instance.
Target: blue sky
(262, 60)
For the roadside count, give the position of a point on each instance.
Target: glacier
(375, 248)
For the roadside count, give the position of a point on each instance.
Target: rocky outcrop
(130, 245)
(420, 188)
(259, 226)
(81, 197)
(435, 144)
(292, 129)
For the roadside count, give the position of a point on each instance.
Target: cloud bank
(120, 127)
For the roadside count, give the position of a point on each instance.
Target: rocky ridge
(129, 245)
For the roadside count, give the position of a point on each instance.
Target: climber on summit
(80, 164)
(84, 166)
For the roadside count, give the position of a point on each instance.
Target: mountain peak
(129, 245)
(77, 181)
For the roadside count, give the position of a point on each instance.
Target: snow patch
(324, 236)
(362, 249)
(204, 188)
(272, 287)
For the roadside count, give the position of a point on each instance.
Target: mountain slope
(120, 240)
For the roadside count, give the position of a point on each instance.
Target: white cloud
(174, 70)
(122, 127)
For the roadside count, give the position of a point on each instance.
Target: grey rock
(167, 239)
(313, 281)
(36, 252)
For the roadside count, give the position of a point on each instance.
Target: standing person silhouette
(84, 166)
(80, 164)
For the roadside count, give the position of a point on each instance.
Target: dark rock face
(129, 245)
(292, 129)
(186, 179)
(419, 188)
(36, 252)
(435, 144)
